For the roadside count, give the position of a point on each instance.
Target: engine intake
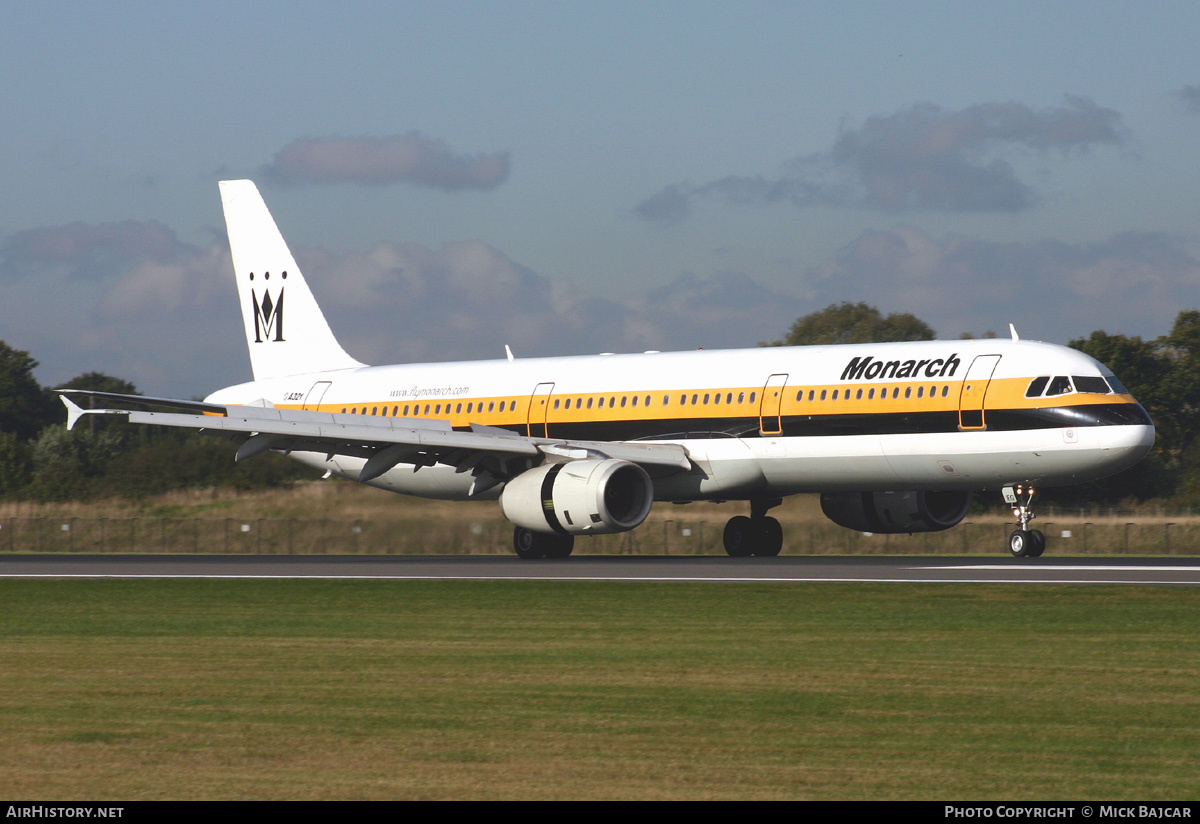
(596, 497)
(894, 512)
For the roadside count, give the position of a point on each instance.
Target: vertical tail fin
(281, 342)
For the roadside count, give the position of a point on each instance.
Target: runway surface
(947, 569)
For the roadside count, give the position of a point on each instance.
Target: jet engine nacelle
(595, 496)
(893, 512)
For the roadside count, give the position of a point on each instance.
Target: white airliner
(894, 436)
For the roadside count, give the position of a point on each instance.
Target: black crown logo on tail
(268, 315)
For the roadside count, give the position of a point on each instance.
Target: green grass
(358, 689)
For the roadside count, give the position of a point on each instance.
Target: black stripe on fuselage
(859, 423)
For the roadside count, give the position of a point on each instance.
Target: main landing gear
(757, 535)
(1024, 542)
(532, 545)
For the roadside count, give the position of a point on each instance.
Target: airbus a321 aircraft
(894, 436)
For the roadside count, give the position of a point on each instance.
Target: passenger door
(769, 421)
(539, 410)
(312, 401)
(971, 399)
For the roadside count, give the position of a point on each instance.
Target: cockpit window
(1036, 386)
(1118, 388)
(1089, 383)
(1059, 385)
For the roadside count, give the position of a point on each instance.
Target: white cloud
(1190, 97)
(164, 314)
(410, 158)
(1133, 282)
(923, 158)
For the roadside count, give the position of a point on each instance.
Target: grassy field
(378, 690)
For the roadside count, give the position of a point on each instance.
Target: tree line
(41, 460)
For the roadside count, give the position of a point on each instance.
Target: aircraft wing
(491, 454)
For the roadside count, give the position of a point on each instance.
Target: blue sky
(578, 177)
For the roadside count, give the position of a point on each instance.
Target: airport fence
(292, 536)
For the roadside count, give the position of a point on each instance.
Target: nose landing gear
(1024, 542)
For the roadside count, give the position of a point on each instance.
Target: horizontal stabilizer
(143, 400)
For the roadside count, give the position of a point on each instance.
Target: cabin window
(753, 395)
(908, 391)
(622, 401)
(635, 400)
(666, 400)
(385, 411)
(695, 399)
(1092, 384)
(920, 391)
(406, 410)
(706, 399)
(457, 409)
(647, 401)
(717, 398)
(858, 395)
(835, 394)
(589, 403)
(945, 390)
(800, 395)
(871, 394)
(491, 406)
(741, 397)
(822, 394)
(556, 403)
(612, 401)
(354, 411)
